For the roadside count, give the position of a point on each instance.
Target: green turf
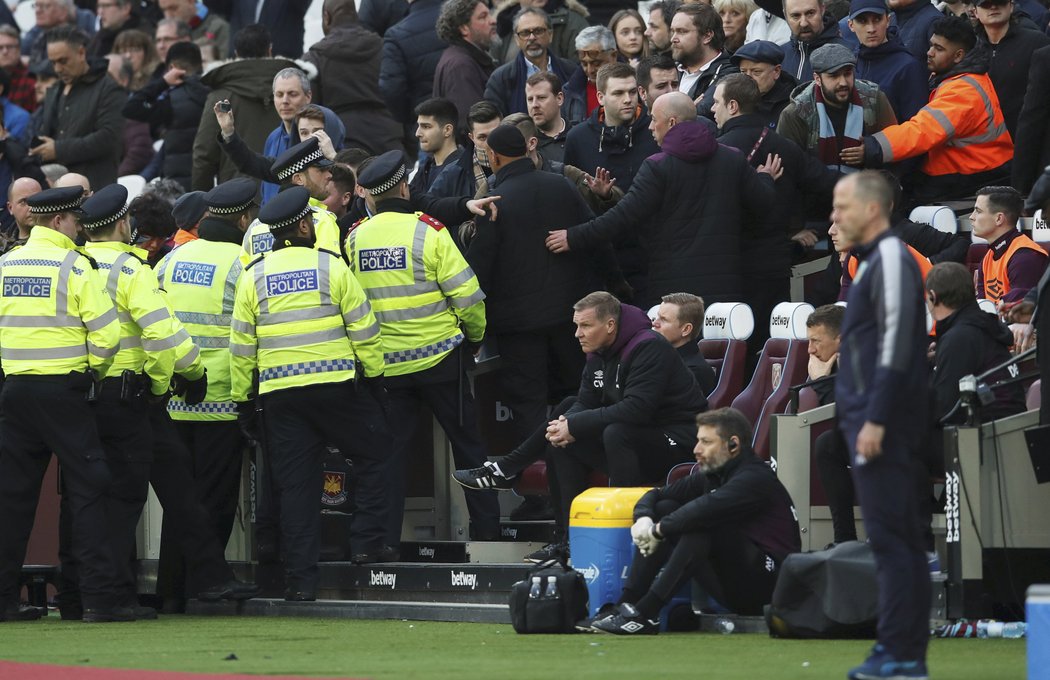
(460, 651)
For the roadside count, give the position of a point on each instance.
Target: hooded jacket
(177, 111)
(248, 84)
(689, 205)
(638, 380)
(86, 124)
(411, 51)
(744, 493)
(620, 150)
(891, 66)
(796, 52)
(961, 130)
(347, 61)
(969, 342)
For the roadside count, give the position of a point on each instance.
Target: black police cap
(383, 173)
(104, 207)
(189, 209)
(759, 50)
(298, 158)
(233, 196)
(62, 199)
(286, 208)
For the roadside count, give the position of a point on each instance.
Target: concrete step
(358, 609)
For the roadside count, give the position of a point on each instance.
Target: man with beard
(658, 32)
(811, 29)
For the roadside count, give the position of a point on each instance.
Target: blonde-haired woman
(735, 15)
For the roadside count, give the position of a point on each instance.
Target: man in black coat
(689, 205)
(174, 103)
(529, 290)
(411, 51)
(680, 319)
(379, 15)
(761, 60)
(730, 527)
(284, 18)
(1032, 141)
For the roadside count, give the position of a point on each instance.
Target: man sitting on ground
(730, 528)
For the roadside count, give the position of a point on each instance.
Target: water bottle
(724, 626)
(552, 588)
(534, 591)
(1014, 629)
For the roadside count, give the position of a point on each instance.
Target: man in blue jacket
(881, 400)
(884, 60)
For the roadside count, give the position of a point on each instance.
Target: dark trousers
(216, 452)
(888, 489)
(631, 455)
(300, 425)
(833, 462)
(727, 565)
(534, 367)
(191, 556)
(444, 389)
(42, 414)
(534, 447)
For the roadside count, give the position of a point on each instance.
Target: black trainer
(551, 551)
(22, 612)
(628, 621)
(483, 478)
(605, 611)
(230, 590)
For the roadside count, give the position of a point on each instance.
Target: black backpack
(551, 600)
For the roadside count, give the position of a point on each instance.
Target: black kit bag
(551, 600)
(825, 594)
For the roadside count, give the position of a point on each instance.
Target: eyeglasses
(532, 32)
(8, 48)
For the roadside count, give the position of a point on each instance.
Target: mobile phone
(35, 141)
(225, 106)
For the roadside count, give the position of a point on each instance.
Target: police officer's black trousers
(216, 452)
(727, 565)
(833, 462)
(631, 455)
(444, 389)
(190, 552)
(127, 439)
(300, 424)
(42, 414)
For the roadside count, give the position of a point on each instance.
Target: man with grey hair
(533, 33)
(465, 66)
(595, 47)
(49, 14)
(249, 83)
(169, 32)
(206, 27)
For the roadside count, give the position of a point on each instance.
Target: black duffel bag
(551, 600)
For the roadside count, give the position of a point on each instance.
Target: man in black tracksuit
(730, 528)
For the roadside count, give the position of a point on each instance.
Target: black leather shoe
(112, 615)
(230, 590)
(71, 613)
(299, 596)
(387, 553)
(22, 612)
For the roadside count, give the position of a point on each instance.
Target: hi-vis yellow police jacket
(151, 339)
(200, 279)
(421, 288)
(55, 315)
(259, 240)
(300, 319)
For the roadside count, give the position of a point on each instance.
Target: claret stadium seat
(727, 326)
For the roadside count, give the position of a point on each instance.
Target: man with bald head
(74, 179)
(688, 206)
(21, 189)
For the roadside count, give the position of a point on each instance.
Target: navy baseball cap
(858, 7)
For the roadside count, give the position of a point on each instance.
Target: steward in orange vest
(1014, 263)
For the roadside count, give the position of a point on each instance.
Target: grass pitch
(462, 651)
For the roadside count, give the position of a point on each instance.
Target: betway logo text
(465, 580)
(780, 320)
(426, 552)
(381, 578)
(719, 321)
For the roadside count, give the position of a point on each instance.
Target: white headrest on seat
(939, 217)
(1040, 229)
(929, 320)
(728, 321)
(788, 320)
(653, 312)
(987, 306)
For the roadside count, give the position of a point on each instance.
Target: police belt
(74, 380)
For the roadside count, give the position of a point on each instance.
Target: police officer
(200, 278)
(153, 345)
(306, 166)
(58, 329)
(428, 304)
(303, 323)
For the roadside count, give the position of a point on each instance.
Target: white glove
(640, 532)
(653, 543)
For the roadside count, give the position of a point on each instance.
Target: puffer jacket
(411, 51)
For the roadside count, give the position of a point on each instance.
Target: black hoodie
(969, 342)
(638, 380)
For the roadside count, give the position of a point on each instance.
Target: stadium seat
(974, 256)
(727, 326)
(783, 363)
(133, 183)
(1033, 399)
(941, 218)
(533, 480)
(987, 305)
(681, 471)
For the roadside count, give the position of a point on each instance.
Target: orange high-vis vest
(961, 130)
(924, 265)
(996, 272)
